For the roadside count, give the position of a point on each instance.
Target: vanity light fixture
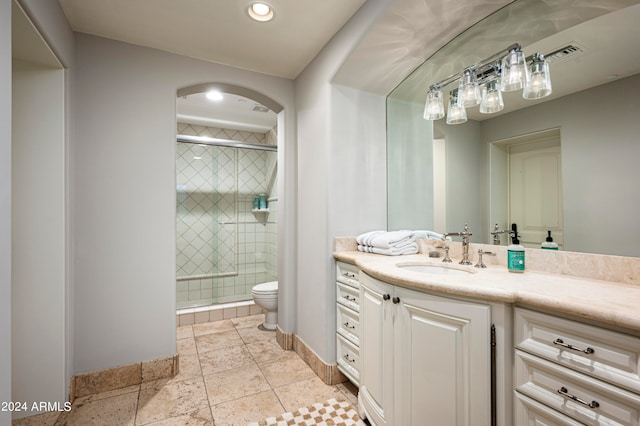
(456, 114)
(514, 74)
(260, 11)
(540, 83)
(491, 98)
(468, 89)
(483, 83)
(434, 107)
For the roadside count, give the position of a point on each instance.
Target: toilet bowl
(266, 296)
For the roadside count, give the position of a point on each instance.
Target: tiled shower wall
(223, 248)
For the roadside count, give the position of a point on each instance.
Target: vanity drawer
(348, 356)
(349, 324)
(608, 355)
(576, 395)
(347, 274)
(531, 412)
(349, 296)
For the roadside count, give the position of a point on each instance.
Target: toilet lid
(270, 287)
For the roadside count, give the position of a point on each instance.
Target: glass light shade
(514, 71)
(540, 83)
(468, 90)
(456, 114)
(491, 98)
(434, 106)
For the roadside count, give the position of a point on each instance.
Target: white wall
(38, 235)
(600, 150)
(337, 130)
(5, 207)
(125, 194)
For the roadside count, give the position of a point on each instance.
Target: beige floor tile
(267, 351)
(250, 321)
(184, 332)
(254, 334)
(116, 410)
(196, 418)
(210, 342)
(253, 408)
(170, 399)
(287, 371)
(224, 359)
(45, 419)
(187, 346)
(233, 384)
(188, 367)
(305, 393)
(212, 327)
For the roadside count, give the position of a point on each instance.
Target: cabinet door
(443, 370)
(376, 352)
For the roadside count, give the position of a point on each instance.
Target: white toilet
(266, 296)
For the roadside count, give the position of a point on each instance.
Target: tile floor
(231, 373)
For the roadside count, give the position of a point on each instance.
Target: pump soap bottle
(549, 244)
(515, 252)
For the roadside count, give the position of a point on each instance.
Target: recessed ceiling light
(261, 12)
(214, 95)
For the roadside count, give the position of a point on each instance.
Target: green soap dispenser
(515, 252)
(549, 244)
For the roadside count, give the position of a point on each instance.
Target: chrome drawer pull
(350, 299)
(348, 358)
(349, 274)
(347, 325)
(561, 342)
(564, 392)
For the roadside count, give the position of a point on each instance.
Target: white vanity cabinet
(424, 359)
(574, 373)
(348, 321)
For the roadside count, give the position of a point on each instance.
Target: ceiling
(218, 30)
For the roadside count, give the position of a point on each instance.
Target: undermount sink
(429, 268)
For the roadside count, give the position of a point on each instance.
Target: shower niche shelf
(260, 210)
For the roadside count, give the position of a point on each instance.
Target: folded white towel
(367, 236)
(391, 239)
(411, 248)
(431, 235)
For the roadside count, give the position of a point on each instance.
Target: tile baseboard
(123, 376)
(328, 373)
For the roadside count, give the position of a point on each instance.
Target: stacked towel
(431, 235)
(390, 243)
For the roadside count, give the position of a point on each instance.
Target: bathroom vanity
(484, 347)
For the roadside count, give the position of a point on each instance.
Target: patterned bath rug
(332, 412)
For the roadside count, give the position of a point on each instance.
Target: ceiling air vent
(565, 52)
(259, 108)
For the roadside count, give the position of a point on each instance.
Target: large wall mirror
(568, 163)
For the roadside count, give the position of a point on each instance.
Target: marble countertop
(617, 304)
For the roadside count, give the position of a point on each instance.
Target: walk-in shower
(225, 245)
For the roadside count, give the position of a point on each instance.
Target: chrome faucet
(465, 243)
(496, 234)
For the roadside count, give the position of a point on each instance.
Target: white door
(443, 371)
(535, 192)
(376, 351)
